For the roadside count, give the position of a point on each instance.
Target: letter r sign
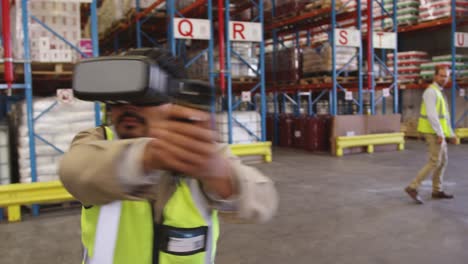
(245, 31)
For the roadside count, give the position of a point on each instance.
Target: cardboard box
(355, 125)
(347, 125)
(381, 124)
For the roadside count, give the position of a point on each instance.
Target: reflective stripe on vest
(120, 237)
(107, 227)
(424, 126)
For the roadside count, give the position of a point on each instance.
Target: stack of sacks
(319, 60)
(409, 64)
(245, 119)
(62, 16)
(115, 10)
(407, 12)
(340, 5)
(377, 12)
(181, 4)
(436, 9)
(427, 69)
(199, 69)
(58, 126)
(4, 156)
(288, 7)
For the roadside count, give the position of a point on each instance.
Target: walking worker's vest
(124, 232)
(424, 126)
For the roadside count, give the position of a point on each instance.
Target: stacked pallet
(288, 66)
(57, 127)
(409, 65)
(407, 12)
(427, 69)
(411, 105)
(5, 162)
(436, 9)
(319, 60)
(340, 5)
(286, 8)
(239, 69)
(246, 127)
(61, 16)
(112, 11)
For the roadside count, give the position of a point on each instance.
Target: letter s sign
(343, 40)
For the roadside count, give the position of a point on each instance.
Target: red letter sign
(343, 38)
(238, 28)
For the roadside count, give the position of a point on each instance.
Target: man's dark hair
(439, 67)
(171, 64)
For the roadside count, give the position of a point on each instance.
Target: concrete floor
(332, 211)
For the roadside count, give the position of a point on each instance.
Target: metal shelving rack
(260, 72)
(301, 23)
(27, 86)
(452, 22)
(197, 9)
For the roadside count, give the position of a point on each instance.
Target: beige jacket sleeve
(257, 199)
(89, 172)
(89, 169)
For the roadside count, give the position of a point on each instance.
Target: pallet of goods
(112, 12)
(55, 129)
(409, 65)
(5, 162)
(437, 9)
(241, 120)
(407, 13)
(61, 16)
(319, 60)
(461, 64)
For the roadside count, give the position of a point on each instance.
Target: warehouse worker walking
(136, 209)
(434, 124)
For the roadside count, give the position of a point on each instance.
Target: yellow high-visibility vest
(123, 232)
(424, 126)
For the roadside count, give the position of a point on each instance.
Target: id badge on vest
(183, 241)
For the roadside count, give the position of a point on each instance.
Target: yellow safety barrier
(14, 195)
(253, 149)
(369, 141)
(461, 133)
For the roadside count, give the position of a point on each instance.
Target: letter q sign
(190, 28)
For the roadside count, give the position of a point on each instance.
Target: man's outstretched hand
(184, 142)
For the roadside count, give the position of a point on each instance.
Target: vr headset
(137, 80)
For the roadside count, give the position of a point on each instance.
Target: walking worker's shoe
(414, 194)
(441, 195)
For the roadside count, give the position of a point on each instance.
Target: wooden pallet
(44, 68)
(286, 16)
(327, 79)
(285, 83)
(347, 79)
(317, 5)
(244, 79)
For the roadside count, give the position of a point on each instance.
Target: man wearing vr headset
(152, 185)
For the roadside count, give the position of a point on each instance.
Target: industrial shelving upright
(455, 87)
(27, 86)
(256, 7)
(372, 57)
